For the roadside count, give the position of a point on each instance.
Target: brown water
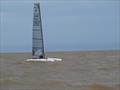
(77, 71)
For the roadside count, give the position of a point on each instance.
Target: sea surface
(92, 70)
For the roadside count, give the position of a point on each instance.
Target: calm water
(77, 71)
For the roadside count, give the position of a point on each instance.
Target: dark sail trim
(41, 32)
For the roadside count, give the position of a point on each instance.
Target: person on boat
(41, 56)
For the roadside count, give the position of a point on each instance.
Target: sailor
(41, 56)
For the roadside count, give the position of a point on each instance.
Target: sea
(79, 70)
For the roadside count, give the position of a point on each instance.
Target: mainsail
(37, 40)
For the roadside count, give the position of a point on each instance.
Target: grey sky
(67, 25)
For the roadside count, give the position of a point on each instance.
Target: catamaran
(38, 53)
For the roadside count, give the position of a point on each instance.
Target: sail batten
(37, 39)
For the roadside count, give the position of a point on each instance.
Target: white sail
(38, 44)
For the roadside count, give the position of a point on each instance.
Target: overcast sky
(67, 24)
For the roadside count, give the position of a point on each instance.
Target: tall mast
(38, 43)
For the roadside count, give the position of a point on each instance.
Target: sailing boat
(38, 53)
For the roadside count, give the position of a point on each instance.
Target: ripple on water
(9, 81)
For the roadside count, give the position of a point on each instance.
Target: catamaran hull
(46, 60)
